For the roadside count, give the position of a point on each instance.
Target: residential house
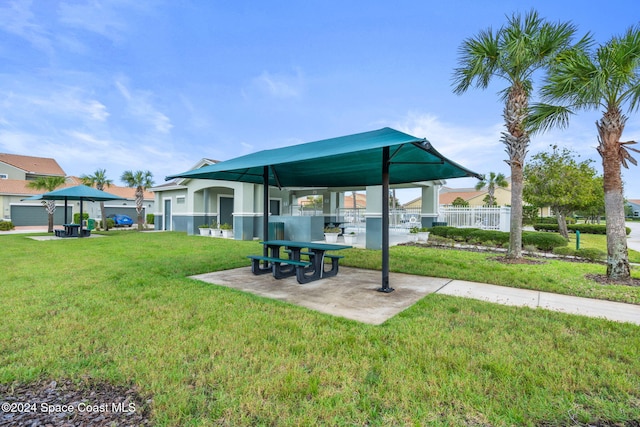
(635, 207)
(185, 204)
(16, 171)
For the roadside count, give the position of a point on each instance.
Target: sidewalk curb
(609, 310)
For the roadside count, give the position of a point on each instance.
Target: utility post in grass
(141, 181)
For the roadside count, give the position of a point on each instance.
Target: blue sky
(158, 85)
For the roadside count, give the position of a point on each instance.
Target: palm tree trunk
(139, 202)
(516, 140)
(610, 130)
(515, 229)
(50, 206)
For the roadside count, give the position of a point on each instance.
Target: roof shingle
(34, 165)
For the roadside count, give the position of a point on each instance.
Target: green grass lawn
(120, 309)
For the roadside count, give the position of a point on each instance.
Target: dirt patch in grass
(604, 280)
(64, 403)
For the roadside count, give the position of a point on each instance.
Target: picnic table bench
(305, 271)
(72, 230)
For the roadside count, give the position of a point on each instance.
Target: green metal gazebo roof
(78, 192)
(353, 160)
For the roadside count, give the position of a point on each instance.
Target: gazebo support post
(80, 229)
(385, 221)
(65, 211)
(265, 215)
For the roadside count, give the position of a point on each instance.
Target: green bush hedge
(554, 220)
(6, 226)
(498, 238)
(591, 254)
(76, 217)
(542, 241)
(151, 218)
(584, 228)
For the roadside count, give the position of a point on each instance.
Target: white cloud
(70, 103)
(139, 105)
(18, 19)
(478, 149)
(280, 85)
(96, 16)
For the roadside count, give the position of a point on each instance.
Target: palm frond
(543, 117)
(478, 58)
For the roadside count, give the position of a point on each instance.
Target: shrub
(543, 226)
(592, 228)
(564, 251)
(439, 240)
(547, 220)
(499, 238)
(151, 218)
(6, 226)
(110, 223)
(441, 230)
(584, 228)
(461, 234)
(591, 254)
(543, 241)
(76, 217)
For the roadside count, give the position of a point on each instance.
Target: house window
(4, 176)
(180, 200)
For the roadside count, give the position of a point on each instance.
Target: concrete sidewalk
(352, 294)
(617, 311)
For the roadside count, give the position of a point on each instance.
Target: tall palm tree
(494, 180)
(607, 78)
(140, 180)
(513, 53)
(99, 180)
(48, 183)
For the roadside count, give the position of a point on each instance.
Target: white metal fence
(486, 218)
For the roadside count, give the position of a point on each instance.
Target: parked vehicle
(121, 220)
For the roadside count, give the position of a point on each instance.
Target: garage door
(37, 215)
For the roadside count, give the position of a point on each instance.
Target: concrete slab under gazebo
(381, 157)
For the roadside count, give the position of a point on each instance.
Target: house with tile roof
(16, 171)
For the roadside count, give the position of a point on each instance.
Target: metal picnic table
(305, 271)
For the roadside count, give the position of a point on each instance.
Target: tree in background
(513, 53)
(140, 180)
(494, 180)
(99, 180)
(313, 203)
(460, 202)
(593, 212)
(608, 79)
(530, 214)
(48, 183)
(557, 180)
